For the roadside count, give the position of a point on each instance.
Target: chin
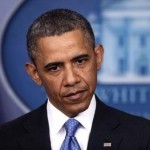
(78, 109)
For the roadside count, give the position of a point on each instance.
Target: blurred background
(121, 26)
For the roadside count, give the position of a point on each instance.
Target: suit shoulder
(129, 119)
(12, 128)
(124, 118)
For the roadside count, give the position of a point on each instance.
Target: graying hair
(56, 22)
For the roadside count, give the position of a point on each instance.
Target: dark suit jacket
(123, 131)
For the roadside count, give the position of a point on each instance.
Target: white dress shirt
(56, 120)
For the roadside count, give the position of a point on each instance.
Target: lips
(74, 95)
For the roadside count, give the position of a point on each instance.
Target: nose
(71, 77)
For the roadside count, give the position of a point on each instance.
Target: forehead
(75, 38)
(63, 47)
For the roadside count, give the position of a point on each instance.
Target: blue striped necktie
(70, 142)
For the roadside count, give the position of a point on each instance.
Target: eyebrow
(60, 63)
(80, 56)
(52, 64)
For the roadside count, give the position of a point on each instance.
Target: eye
(54, 68)
(81, 61)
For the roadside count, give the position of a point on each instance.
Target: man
(65, 60)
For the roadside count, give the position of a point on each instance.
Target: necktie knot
(70, 142)
(71, 126)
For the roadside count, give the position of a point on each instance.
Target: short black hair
(56, 22)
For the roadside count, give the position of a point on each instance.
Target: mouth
(74, 96)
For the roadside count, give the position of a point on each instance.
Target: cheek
(52, 87)
(89, 75)
(91, 80)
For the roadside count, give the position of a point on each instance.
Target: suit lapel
(104, 133)
(37, 131)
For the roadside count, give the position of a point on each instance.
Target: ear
(99, 52)
(33, 72)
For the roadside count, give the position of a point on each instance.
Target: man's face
(66, 65)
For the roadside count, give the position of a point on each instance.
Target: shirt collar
(86, 117)
(56, 118)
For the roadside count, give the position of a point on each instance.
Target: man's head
(65, 59)
(56, 22)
